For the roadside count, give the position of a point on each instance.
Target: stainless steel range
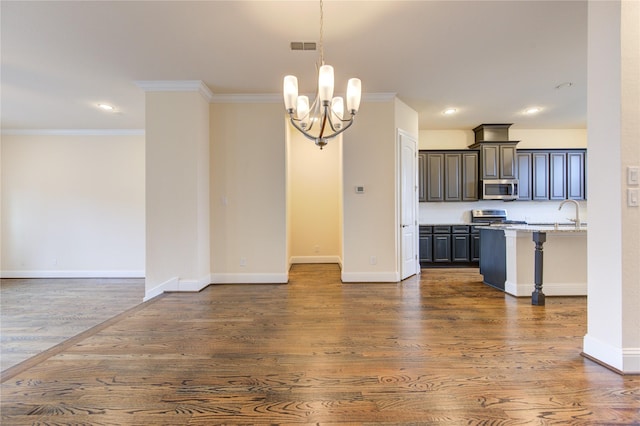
(488, 217)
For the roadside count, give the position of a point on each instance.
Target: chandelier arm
(348, 120)
(341, 130)
(301, 130)
(294, 120)
(325, 115)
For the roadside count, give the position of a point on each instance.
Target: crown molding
(73, 132)
(251, 98)
(258, 98)
(176, 86)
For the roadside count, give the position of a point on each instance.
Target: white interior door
(408, 154)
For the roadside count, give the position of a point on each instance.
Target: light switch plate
(633, 177)
(632, 197)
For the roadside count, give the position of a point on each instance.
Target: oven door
(500, 189)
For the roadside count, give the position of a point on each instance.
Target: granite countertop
(539, 227)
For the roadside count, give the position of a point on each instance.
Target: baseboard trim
(73, 274)
(549, 289)
(315, 259)
(622, 360)
(169, 285)
(177, 285)
(370, 277)
(248, 278)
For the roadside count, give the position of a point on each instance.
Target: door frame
(402, 137)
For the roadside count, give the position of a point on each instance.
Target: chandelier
(325, 118)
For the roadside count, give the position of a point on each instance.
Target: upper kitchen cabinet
(533, 175)
(576, 174)
(498, 160)
(422, 176)
(449, 175)
(556, 174)
(497, 152)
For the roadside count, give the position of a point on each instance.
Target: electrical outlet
(243, 261)
(373, 260)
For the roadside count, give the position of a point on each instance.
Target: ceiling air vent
(303, 45)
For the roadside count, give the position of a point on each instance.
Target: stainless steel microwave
(500, 189)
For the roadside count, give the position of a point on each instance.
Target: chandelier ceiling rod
(325, 109)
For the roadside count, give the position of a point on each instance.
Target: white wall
(613, 326)
(531, 211)
(177, 191)
(369, 149)
(248, 193)
(315, 189)
(73, 206)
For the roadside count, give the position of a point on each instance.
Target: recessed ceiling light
(449, 111)
(532, 110)
(106, 107)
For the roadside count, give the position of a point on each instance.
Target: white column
(177, 186)
(613, 333)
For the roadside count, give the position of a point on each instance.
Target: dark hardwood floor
(441, 348)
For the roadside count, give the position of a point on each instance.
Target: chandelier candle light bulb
(325, 83)
(290, 88)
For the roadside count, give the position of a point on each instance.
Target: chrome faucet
(575, 203)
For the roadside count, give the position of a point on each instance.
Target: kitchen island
(507, 259)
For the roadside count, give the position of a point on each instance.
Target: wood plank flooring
(441, 348)
(37, 314)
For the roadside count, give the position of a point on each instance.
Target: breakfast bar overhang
(565, 259)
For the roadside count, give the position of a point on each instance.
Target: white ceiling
(489, 59)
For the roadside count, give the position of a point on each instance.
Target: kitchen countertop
(542, 227)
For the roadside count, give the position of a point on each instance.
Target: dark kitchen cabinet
(434, 176)
(422, 176)
(551, 174)
(576, 175)
(493, 261)
(525, 185)
(469, 173)
(540, 176)
(449, 175)
(497, 160)
(474, 244)
(460, 248)
(533, 175)
(557, 176)
(449, 245)
(426, 244)
(441, 244)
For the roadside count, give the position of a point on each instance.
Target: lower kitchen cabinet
(448, 245)
(442, 248)
(460, 248)
(426, 244)
(441, 244)
(475, 245)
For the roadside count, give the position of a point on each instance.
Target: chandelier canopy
(326, 117)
